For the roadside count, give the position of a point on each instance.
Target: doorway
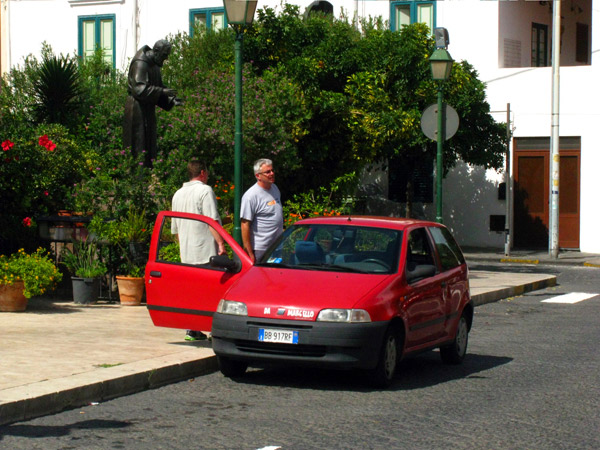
(531, 168)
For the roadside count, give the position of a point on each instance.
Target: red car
(341, 292)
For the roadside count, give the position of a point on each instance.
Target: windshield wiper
(346, 268)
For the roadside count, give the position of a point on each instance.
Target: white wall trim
(93, 2)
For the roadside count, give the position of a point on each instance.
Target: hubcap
(390, 359)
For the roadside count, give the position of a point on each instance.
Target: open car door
(180, 295)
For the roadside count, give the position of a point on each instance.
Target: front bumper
(322, 344)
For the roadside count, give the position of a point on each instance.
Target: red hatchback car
(341, 292)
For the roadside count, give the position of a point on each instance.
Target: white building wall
(470, 193)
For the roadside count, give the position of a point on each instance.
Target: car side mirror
(419, 272)
(224, 262)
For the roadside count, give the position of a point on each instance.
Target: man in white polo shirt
(261, 211)
(197, 241)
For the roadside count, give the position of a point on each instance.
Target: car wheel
(383, 374)
(231, 368)
(456, 351)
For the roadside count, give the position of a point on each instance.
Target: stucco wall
(470, 194)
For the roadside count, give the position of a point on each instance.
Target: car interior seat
(309, 252)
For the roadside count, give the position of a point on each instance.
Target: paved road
(530, 381)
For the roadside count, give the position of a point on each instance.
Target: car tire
(231, 368)
(456, 351)
(383, 374)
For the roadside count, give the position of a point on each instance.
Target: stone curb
(493, 296)
(536, 261)
(520, 261)
(54, 396)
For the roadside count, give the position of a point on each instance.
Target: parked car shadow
(415, 373)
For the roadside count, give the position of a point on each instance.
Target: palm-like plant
(57, 90)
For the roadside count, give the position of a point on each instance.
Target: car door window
(419, 250)
(187, 241)
(448, 249)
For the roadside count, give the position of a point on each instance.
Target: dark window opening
(582, 43)
(502, 191)
(539, 45)
(497, 222)
(420, 177)
(321, 7)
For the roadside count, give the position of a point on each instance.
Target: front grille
(267, 348)
(296, 325)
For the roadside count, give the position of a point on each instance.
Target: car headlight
(344, 315)
(231, 307)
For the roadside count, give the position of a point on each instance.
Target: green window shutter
(89, 38)
(425, 14)
(402, 16)
(407, 12)
(207, 19)
(106, 39)
(218, 20)
(200, 20)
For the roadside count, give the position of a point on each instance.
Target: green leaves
(57, 90)
(83, 260)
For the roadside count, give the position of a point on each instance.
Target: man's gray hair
(261, 162)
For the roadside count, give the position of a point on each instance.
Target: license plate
(278, 336)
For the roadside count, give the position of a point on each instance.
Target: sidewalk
(59, 355)
(541, 257)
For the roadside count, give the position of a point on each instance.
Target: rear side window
(448, 249)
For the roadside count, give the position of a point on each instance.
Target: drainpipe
(136, 24)
(507, 185)
(555, 136)
(6, 6)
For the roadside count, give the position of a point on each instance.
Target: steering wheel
(377, 261)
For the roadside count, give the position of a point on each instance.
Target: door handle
(154, 273)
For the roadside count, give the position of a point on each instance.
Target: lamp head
(240, 12)
(441, 64)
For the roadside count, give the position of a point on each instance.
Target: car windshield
(339, 248)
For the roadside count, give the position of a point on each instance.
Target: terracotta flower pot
(12, 298)
(131, 290)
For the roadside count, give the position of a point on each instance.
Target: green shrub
(83, 260)
(36, 270)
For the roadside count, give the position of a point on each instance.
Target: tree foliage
(323, 97)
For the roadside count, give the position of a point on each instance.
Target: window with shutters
(408, 12)
(97, 32)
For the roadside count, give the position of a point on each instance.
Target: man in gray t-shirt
(261, 211)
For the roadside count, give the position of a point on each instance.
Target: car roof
(397, 223)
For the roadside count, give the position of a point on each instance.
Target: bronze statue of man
(146, 90)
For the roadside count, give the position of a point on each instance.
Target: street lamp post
(441, 65)
(240, 13)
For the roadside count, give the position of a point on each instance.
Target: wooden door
(532, 201)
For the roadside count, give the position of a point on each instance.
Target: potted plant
(23, 276)
(83, 263)
(130, 240)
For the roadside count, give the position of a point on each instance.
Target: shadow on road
(44, 431)
(415, 373)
